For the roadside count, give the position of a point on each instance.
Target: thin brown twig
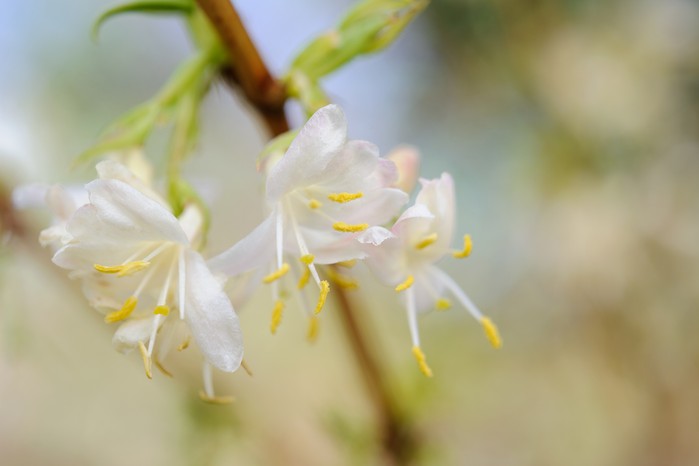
(397, 438)
(246, 69)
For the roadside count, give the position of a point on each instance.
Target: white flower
(321, 193)
(404, 258)
(139, 266)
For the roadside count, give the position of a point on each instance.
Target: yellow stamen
(276, 316)
(347, 228)
(342, 281)
(349, 264)
(421, 361)
(161, 368)
(406, 284)
(426, 241)
(442, 304)
(215, 400)
(466, 251)
(491, 331)
(184, 345)
(277, 274)
(146, 359)
(307, 259)
(124, 312)
(304, 278)
(344, 197)
(324, 289)
(246, 368)
(314, 204)
(313, 325)
(163, 310)
(124, 269)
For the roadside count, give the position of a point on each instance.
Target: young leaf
(183, 7)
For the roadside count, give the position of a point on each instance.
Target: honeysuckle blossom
(139, 266)
(404, 257)
(322, 192)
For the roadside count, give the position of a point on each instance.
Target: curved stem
(247, 69)
(397, 438)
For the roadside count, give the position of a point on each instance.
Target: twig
(247, 70)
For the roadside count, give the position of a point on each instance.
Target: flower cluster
(330, 200)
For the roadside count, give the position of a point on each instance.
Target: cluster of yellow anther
(422, 361)
(466, 251)
(406, 284)
(124, 269)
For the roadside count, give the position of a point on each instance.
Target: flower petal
(407, 160)
(318, 142)
(210, 316)
(131, 332)
(255, 250)
(118, 213)
(113, 170)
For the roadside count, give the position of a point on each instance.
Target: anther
(426, 241)
(303, 280)
(124, 269)
(313, 326)
(344, 197)
(314, 204)
(215, 400)
(466, 251)
(342, 281)
(146, 359)
(245, 367)
(347, 228)
(184, 345)
(324, 289)
(277, 274)
(276, 316)
(307, 259)
(442, 304)
(422, 361)
(162, 369)
(406, 284)
(491, 331)
(124, 312)
(162, 310)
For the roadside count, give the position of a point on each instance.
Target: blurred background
(571, 128)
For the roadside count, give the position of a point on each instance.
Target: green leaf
(184, 7)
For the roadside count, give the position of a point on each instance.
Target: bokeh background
(572, 129)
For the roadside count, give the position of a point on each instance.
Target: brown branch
(397, 437)
(247, 70)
